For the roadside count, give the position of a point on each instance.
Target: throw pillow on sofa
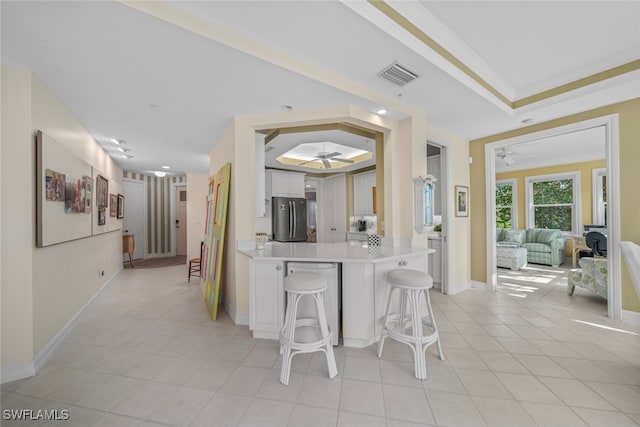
(515, 236)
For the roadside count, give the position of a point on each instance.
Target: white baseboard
(29, 369)
(17, 372)
(455, 288)
(238, 319)
(631, 316)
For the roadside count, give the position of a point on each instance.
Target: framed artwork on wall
(120, 206)
(102, 215)
(462, 200)
(102, 191)
(113, 205)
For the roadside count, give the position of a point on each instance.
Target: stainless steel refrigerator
(289, 219)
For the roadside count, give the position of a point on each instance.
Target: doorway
(609, 126)
(134, 215)
(180, 197)
(437, 166)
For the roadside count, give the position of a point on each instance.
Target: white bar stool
(296, 286)
(409, 330)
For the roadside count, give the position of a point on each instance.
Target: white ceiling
(108, 63)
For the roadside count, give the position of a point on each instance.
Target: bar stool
(296, 286)
(409, 330)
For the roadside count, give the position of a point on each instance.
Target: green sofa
(544, 246)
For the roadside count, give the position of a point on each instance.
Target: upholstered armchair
(591, 275)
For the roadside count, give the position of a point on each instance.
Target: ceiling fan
(506, 155)
(324, 157)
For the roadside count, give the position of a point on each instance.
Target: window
(554, 201)
(599, 191)
(506, 204)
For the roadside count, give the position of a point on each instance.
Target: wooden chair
(194, 264)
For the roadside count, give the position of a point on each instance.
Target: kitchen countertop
(330, 252)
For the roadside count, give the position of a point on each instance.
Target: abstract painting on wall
(217, 203)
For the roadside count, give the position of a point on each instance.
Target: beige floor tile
(543, 366)
(357, 368)
(527, 388)
(624, 373)
(502, 412)
(452, 340)
(145, 399)
(575, 393)
(273, 389)
(350, 419)
(466, 359)
(585, 370)
(597, 418)
(454, 409)
(78, 416)
(621, 396)
(262, 356)
(482, 383)
(518, 345)
(399, 373)
(502, 362)
(552, 415)
(362, 397)
(222, 410)
(482, 343)
(148, 367)
(245, 380)
(406, 404)
(79, 387)
(179, 371)
(500, 330)
(42, 385)
(111, 420)
(112, 392)
(320, 391)
(309, 416)
(266, 413)
(443, 379)
(212, 374)
(554, 348)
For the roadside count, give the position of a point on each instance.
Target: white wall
(44, 288)
(197, 190)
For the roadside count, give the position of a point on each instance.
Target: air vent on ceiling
(398, 74)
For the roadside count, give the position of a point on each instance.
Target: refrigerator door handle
(290, 220)
(295, 219)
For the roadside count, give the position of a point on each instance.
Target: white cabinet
(284, 184)
(332, 209)
(266, 298)
(435, 262)
(357, 237)
(363, 184)
(381, 292)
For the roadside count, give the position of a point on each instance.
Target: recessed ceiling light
(382, 111)
(118, 141)
(123, 150)
(287, 108)
(527, 120)
(159, 174)
(126, 156)
(166, 167)
(153, 106)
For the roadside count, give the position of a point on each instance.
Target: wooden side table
(128, 245)
(579, 244)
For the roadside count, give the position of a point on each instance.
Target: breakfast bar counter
(363, 272)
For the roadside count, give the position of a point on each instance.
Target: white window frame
(514, 199)
(576, 213)
(597, 192)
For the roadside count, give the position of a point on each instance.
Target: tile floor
(147, 355)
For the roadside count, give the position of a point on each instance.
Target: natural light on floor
(596, 325)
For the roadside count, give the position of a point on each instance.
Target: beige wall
(44, 288)
(629, 135)
(197, 190)
(16, 221)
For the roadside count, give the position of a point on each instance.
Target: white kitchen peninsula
(364, 284)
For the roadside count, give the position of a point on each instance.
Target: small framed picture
(102, 215)
(462, 200)
(113, 205)
(102, 191)
(120, 206)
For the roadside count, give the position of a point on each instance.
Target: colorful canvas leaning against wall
(212, 257)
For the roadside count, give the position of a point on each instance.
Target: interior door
(181, 220)
(134, 214)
